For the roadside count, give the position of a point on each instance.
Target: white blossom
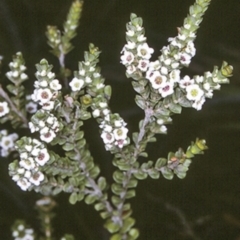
(36, 178)
(144, 51)
(186, 81)
(4, 109)
(157, 80)
(107, 137)
(166, 89)
(76, 84)
(31, 107)
(44, 95)
(55, 85)
(23, 183)
(174, 75)
(194, 92)
(42, 157)
(48, 136)
(143, 65)
(127, 58)
(120, 133)
(198, 104)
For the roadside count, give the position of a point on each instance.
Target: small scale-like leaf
(102, 183)
(111, 226)
(134, 233)
(130, 193)
(167, 173)
(73, 198)
(89, 199)
(140, 175)
(68, 146)
(160, 163)
(127, 224)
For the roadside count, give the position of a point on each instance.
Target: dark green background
(209, 197)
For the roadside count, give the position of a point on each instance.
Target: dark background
(206, 204)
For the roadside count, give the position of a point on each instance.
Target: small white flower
(182, 37)
(50, 120)
(44, 95)
(206, 86)
(43, 73)
(32, 127)
(48, 106)
(106, 111)
(185, 59)
(163, 129)
(198, 104)
(157, 80)
(141, 38)
(23, 76)
(186, 81)
(43, 83)
(167, 61)
(24, 155)
(107, 137)
(107, 128)
(7, 142)
(164, 70)
(166, 89)
(144, 51)
(35, 152)
(143, 65)
(23, 183)
(27, 174)
(51, 75)
(96, 113)
(120, 133)
(48, 136)
(118, 123)
(190, 49)
(130, 45)
(153, 66)
(41, 124)
(42, 157)
(175, 65)
(28, 148)
(127, 58)
(82, 72)
(194, 92)
(31, 107)
(88, 80)
(102, 104)
(76, 84)
(130, 33)
(36, 178)
(28, 164)
(199, 79)
(130, 69)
(174, 76)
(4, 109)
(55, 85)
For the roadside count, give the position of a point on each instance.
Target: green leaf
(116, 200)
(105, 215)
(130, 194)
(141, 102)
(102, 183)
(154, 174)
(117, 188)
(79, 135)
(116, 237)
(175, 108)
(160, 163)
(118, 176)
(167, 173)
(134, 233)
(68, 146)
(73, 198)
(89, 199)
(111, 226)
(99, 206)
(132, 183)
(127, 224)
(140, 175)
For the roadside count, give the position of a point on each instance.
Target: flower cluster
(17, 70)
(33, 155)
(7, 142)
(114, 132)
(46, 124)
(21, 232)
(46, 87)
(4, 109)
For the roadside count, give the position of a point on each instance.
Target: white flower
(198, 104)
(82, 72)
(43, 83)
(163, 129)
(106, 111)
(186, 81)
(157, 80)
(143, 65)
(130, 45)
(27, 174)
(51, 75)
(120, 133)
(96, 113)
(107, 137)
(102, 104)
(31, 107)
(130, 69)
(121, 142)
(164, 70)
(130, 33)
(42, 157)
(44, 95)
(144, 51)
(54, 85)
(185, 59)
(36, 178)
(48, 106)
(107, 128)
(23, 76)
(194, 92)
(76, 84)
(174, 76)
(28, 164)
(127, 58)
(199, 79)
(175, 65)
(4, 109)
(7, 142)
(23, 183)
(88, 80)
(48, 136)
(32, 127)
(141, 38)
(154, 65)
(166, 89)
(190, 49)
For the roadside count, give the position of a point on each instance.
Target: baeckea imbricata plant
(52, 155)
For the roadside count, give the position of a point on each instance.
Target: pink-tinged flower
(76, 84)
(185, 59)
(4, 109)
(31, 107)
(36, 178)
(143, 65)
(130, 69)
(47, 136)
(166, 89)
(144, 51)
(42, 157)
(48, 106)
(194, 92)
(44, 95)
(107, 137)
(157, 80)
(23, 183)
(186, 81)
(28, 163)
(127, 58)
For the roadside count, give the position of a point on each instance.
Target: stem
(4, 95)
(62, 65)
